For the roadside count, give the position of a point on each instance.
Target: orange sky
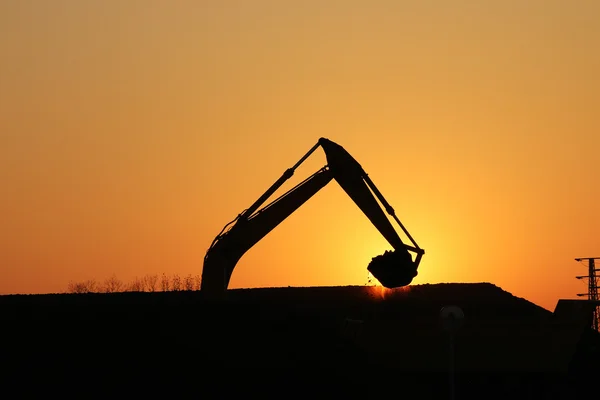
(132, 131)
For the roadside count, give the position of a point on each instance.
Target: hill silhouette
(332, 339)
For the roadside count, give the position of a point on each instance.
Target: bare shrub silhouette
(112, 285)
(188, 283)
(164, 283)
(176, 283)
(150, 282)
(89, 286)
(136, 286)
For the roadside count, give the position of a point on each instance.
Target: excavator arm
(393, 270)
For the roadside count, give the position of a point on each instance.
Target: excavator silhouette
(392, 269)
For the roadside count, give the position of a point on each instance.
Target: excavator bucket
(393, 269)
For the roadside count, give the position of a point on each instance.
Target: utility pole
(452, 318)
(592, 293)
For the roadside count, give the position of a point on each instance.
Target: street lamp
(452, 318)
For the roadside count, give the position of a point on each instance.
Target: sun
(375, 288)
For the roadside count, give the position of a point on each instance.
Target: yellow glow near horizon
(380, 292)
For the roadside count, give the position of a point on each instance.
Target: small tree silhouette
(75, 287)
(164, 283)
(188, 283)
(150, 282)
(112, 285)
(136, 286)
(176, 283)
(88, 286)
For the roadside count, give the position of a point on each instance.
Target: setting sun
(380, 292)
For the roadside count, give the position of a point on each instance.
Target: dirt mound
(479, 300)
(290, 330)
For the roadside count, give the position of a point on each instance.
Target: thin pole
(451, 366)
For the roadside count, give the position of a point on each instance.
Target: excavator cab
(392, 269)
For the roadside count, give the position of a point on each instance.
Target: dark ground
(288, 342)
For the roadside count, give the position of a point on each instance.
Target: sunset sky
(131, 132)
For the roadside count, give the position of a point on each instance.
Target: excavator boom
(225, 252)
(393, 269)
(350, 175)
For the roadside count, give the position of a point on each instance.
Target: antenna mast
(592, 293)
